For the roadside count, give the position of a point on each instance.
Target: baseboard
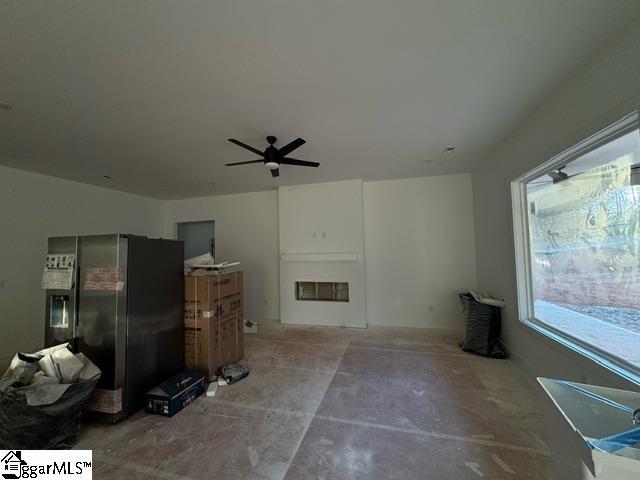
(528, 374)
(258, 319)
(442, 326)
(258, 316)
(320, 325)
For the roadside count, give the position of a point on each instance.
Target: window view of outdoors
(584, 224)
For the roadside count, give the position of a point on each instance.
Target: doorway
(198, 237)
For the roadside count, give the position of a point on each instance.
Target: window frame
(524, 281)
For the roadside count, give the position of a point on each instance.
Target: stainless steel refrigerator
(120, 300)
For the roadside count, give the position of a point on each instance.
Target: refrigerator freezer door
(102, 297)
(155, 309)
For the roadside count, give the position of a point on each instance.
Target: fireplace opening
(322, 291)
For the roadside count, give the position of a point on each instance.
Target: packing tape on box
(616, 442)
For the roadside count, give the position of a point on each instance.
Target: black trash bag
(43, 427)
(482, 328)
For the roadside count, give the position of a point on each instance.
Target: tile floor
(331, 403)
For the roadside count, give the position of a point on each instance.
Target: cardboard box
(228, 340)
(204, 291)
(215, 309)
(202, 346)
(240, 337)
(213, 316)
(213, 342)
(104, 400)
(170, 397)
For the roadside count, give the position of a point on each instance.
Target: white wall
(601, 93)
(322, 218)
(247, 231)
(404, 275)
(415, 242)
(332, 208)
(420, 252)
(34, 207)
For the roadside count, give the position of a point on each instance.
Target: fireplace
(322, 291)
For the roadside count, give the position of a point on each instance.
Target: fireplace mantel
(319, 257)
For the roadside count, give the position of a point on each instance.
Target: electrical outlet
(431, 308)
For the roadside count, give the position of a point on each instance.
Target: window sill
(556, 322)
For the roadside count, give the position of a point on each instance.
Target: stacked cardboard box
(213, 319)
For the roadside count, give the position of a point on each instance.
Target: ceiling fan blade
(243, 163)
(275, 172)
(248, 147)
(301, 163)
(287, 149)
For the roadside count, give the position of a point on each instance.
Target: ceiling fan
(273, 157)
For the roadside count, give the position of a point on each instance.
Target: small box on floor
(170, 397)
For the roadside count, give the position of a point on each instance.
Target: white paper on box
(58, 272)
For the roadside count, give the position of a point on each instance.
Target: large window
(577, 221)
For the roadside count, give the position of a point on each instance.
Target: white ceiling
(148, 91)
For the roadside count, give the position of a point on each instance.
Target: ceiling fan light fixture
(273, 157)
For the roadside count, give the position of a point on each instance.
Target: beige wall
(34, 207)
(420, 251)
(601, 93)
(246, 231)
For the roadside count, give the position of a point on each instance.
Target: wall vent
(322, 291)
